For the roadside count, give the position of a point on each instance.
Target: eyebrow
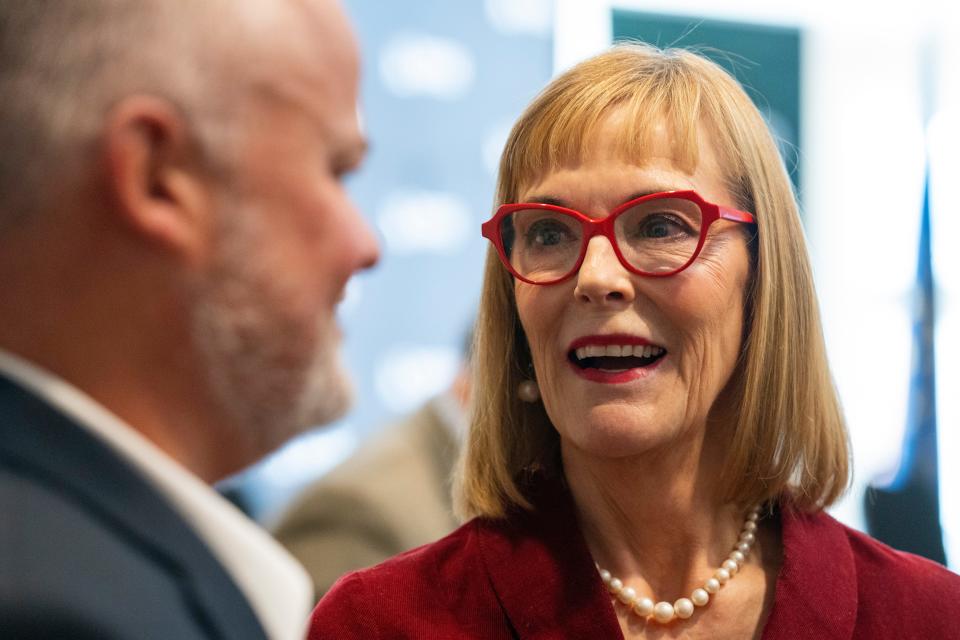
(557, 202)
(560, 202)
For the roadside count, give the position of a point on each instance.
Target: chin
(618, 432)
(327, 393)
(614, 445)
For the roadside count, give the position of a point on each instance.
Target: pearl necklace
(664, 612)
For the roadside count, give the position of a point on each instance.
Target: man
(391, 496)
(174, 239)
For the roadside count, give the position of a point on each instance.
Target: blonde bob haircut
(787, 434)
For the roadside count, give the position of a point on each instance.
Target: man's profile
(174, 239)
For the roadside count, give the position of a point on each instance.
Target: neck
(654, 520)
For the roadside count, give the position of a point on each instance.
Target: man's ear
(155, 178)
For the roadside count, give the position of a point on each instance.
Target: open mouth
(615, 358)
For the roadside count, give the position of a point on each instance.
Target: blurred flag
(906, 512)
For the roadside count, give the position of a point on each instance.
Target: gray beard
(275, 375)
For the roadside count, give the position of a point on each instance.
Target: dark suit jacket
(391, 496)
(88, 549)
(531, 576)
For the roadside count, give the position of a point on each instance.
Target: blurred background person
(174, 240)
(655, 431)
(392, 495)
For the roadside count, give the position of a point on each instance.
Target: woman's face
(695, 317)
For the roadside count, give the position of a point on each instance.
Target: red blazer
(531, 577)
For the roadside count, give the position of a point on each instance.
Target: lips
(614, 358)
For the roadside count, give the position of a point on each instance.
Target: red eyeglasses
(658, 235)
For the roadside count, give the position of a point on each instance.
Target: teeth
(616, 350)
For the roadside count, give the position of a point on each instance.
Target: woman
(656, 432)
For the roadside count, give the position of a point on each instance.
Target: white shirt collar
(276, 586)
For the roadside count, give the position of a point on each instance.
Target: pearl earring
(528, 391)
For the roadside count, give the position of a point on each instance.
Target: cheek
(709, 313)
(537, 310)
(311, 239)
(527, 310)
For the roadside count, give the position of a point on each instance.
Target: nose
(366, 249)
(602, 279)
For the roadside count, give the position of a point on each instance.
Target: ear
(154, 177)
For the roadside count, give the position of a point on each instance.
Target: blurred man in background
(174, 239)
(392, 495)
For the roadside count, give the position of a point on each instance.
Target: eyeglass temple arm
(736, 216)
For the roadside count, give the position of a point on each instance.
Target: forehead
(313, 63)
(611, 154)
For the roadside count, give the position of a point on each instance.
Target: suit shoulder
(414, 441)
(61, 566)
(394, 477)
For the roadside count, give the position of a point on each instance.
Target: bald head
(65, 63)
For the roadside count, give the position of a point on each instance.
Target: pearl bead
(663, 612)
(750, 526)
(700, 597)
(627, 596)
(730, 566)
(737, 556)
(754, 516)
(684, 608)
(605, 576)
(722, 575)
(712, 585)
(748, 537)
(616, 585)
(743, 547)
(643, 607)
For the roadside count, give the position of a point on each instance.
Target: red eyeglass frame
(605, 227)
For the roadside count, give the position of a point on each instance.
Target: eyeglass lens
(655, 236)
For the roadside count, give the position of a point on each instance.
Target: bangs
(561, 126)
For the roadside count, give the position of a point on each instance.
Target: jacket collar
(816, 591)
(543, 574)
(545, 579)
(43, 443)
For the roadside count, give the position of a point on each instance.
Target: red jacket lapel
(543, 575)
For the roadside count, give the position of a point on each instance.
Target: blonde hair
(789, 434)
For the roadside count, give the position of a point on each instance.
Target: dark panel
(765, 59)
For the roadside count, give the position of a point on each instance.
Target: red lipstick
(611, 377)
